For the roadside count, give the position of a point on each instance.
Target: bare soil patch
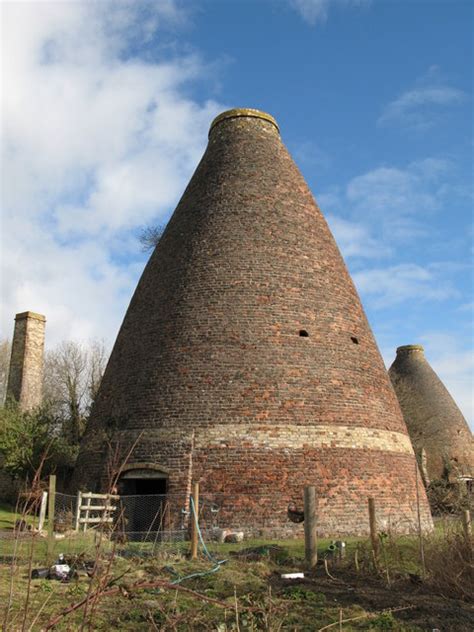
(428, 612)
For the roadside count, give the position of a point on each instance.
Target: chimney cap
(406, 348)
(26, 315)
(243, 112)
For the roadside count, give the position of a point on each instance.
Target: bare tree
(65, 386)
(98, 356)
(5, 352)
(149, 236)
(72, 376)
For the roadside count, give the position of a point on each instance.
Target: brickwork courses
(245, 360)
(434, 421)
(25, 377)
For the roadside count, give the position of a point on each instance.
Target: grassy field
(132, 590)
(8, 516)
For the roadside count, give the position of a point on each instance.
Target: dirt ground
(249, 581)
(303, 605)
(429, 611)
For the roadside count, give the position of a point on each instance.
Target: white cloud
(399, 200)
(309, 154)
(389, 205)
(385, 287)
(97, 141)
(467, 307)
(354, 239)
(459, 381)
(453, 361)
(313, 11)
(418, 108)
(378, 212)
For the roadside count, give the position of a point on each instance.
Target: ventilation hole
(355, 340)
(304, 333)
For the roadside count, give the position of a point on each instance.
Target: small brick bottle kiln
(245, 360)
(435, 423)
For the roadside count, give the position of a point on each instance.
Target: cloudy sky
(105, 113)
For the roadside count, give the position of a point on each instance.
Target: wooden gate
(94, 509)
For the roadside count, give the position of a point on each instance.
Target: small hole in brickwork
(304, 333)
(355, 340)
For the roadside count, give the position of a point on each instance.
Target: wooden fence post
(87, 512)
(466, 524)
(420, 530)
(78, 511)
(194, 521)
(310, 539)
(373, 529)
(51, 507)
(467, 528)
(42, 516)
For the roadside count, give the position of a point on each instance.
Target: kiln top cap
(243, 112)
(407, 348)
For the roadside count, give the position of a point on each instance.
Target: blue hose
(217, 563)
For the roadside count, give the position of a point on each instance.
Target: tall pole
(194, 521)
(467, 529)
(373, 529)
(310, 539)
(51, 506)
(420, 531)
(466, 524)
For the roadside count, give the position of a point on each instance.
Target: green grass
(35, 545)
(255, 583)
(294, 607)
(303, 606)
(8, 516)
(400, 553)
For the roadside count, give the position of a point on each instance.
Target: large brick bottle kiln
(245, 358)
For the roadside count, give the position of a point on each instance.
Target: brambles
(447, 497)
(449, 565)
(129, 585)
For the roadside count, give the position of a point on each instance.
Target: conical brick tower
(436, 425)
(245, 358)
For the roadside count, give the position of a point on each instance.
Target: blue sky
(105, 113)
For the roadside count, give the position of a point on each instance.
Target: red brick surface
(211, 340)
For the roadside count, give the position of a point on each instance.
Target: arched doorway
(143, 489)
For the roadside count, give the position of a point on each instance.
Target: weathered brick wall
(210, 365)
(25, 378)
(434, 421)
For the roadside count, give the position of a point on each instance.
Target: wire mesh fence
(155, 524)
(158, 525)
(137, 525)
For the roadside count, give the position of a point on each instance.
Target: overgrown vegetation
(29, 438)
(124, 588)
(447, 497)
(72, 375)
(449, 565)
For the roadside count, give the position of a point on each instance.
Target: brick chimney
(25, 378)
